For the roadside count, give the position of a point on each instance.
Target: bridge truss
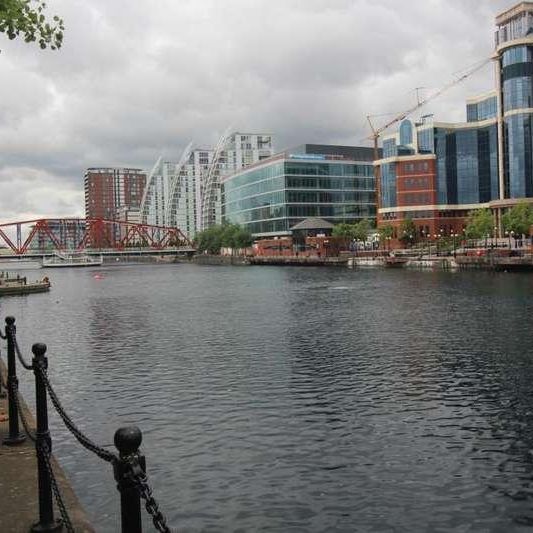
(60, 234)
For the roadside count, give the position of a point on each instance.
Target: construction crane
(376, 133)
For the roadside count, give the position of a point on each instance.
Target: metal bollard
(15, 436)
(127, 441)
(46, 507)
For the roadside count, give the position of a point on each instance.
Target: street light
(508, 235)
(512, 235)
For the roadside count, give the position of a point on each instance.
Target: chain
(139, 479)
(45, 453)
(82, 439)
(19, 355)
(16, 395)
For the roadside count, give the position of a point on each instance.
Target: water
(297, 399)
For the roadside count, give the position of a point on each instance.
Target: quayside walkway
(19, 498)
(31, 479)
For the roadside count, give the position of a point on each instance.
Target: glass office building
(485, 162)
(335, 183)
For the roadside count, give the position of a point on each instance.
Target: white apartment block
(187, 194)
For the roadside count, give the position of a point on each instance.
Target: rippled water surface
(297, 399)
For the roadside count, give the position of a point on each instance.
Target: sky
(138, 79)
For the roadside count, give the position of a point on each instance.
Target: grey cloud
(136, 79)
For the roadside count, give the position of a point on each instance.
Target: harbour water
(296, 399)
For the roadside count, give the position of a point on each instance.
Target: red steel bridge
(89, 234)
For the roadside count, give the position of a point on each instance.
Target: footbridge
(44, 236)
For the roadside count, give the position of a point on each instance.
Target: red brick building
(109, 190)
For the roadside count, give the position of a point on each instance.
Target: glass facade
(389, 148)
(483, 110)
(426, 144)
(517, 88)
(518, 174)
(388, 185)
(275, 197)
(467, 165)
(406, 133)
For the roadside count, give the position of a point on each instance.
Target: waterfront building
(110, 190)
(335, 183)
(435, 173)
(154, 204)
(186, 194)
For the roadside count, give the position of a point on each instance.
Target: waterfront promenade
(19, 506)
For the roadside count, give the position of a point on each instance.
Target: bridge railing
(129, 465)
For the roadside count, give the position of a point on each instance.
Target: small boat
(20, 285)
(72, 259)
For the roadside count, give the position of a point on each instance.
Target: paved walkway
(19, 506)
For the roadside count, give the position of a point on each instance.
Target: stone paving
(19, 507)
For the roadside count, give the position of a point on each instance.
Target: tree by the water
(480, 224)
(518, 219)
(26, 18)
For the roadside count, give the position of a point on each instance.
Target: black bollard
(15, 436)
(46, 507)
(127, 441)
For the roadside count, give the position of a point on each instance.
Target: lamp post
(508, 235)
(436, 237)
(512, 235)
(495, 237)
(388, 243)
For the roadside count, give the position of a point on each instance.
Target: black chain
(82, 439)
(138, 476)
(45, 453)
(19, 354)
(16, 395)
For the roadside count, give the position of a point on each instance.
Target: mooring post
(43, 444)
(129, 464)
(15, 436)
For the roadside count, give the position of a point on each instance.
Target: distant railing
(129, 466)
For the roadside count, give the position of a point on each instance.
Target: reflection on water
(297, 399)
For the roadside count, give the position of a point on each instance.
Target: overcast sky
(138, 78)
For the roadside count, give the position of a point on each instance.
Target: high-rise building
(108, 191)
(435, 173)
(186, 194)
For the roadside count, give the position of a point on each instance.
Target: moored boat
(21, 285)
(72, 259)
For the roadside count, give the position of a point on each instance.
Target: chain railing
(129, 465)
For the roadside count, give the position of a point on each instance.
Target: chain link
(19, 354)
(138, 476)
(42, 448)
(25, 424)
(81, 438)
